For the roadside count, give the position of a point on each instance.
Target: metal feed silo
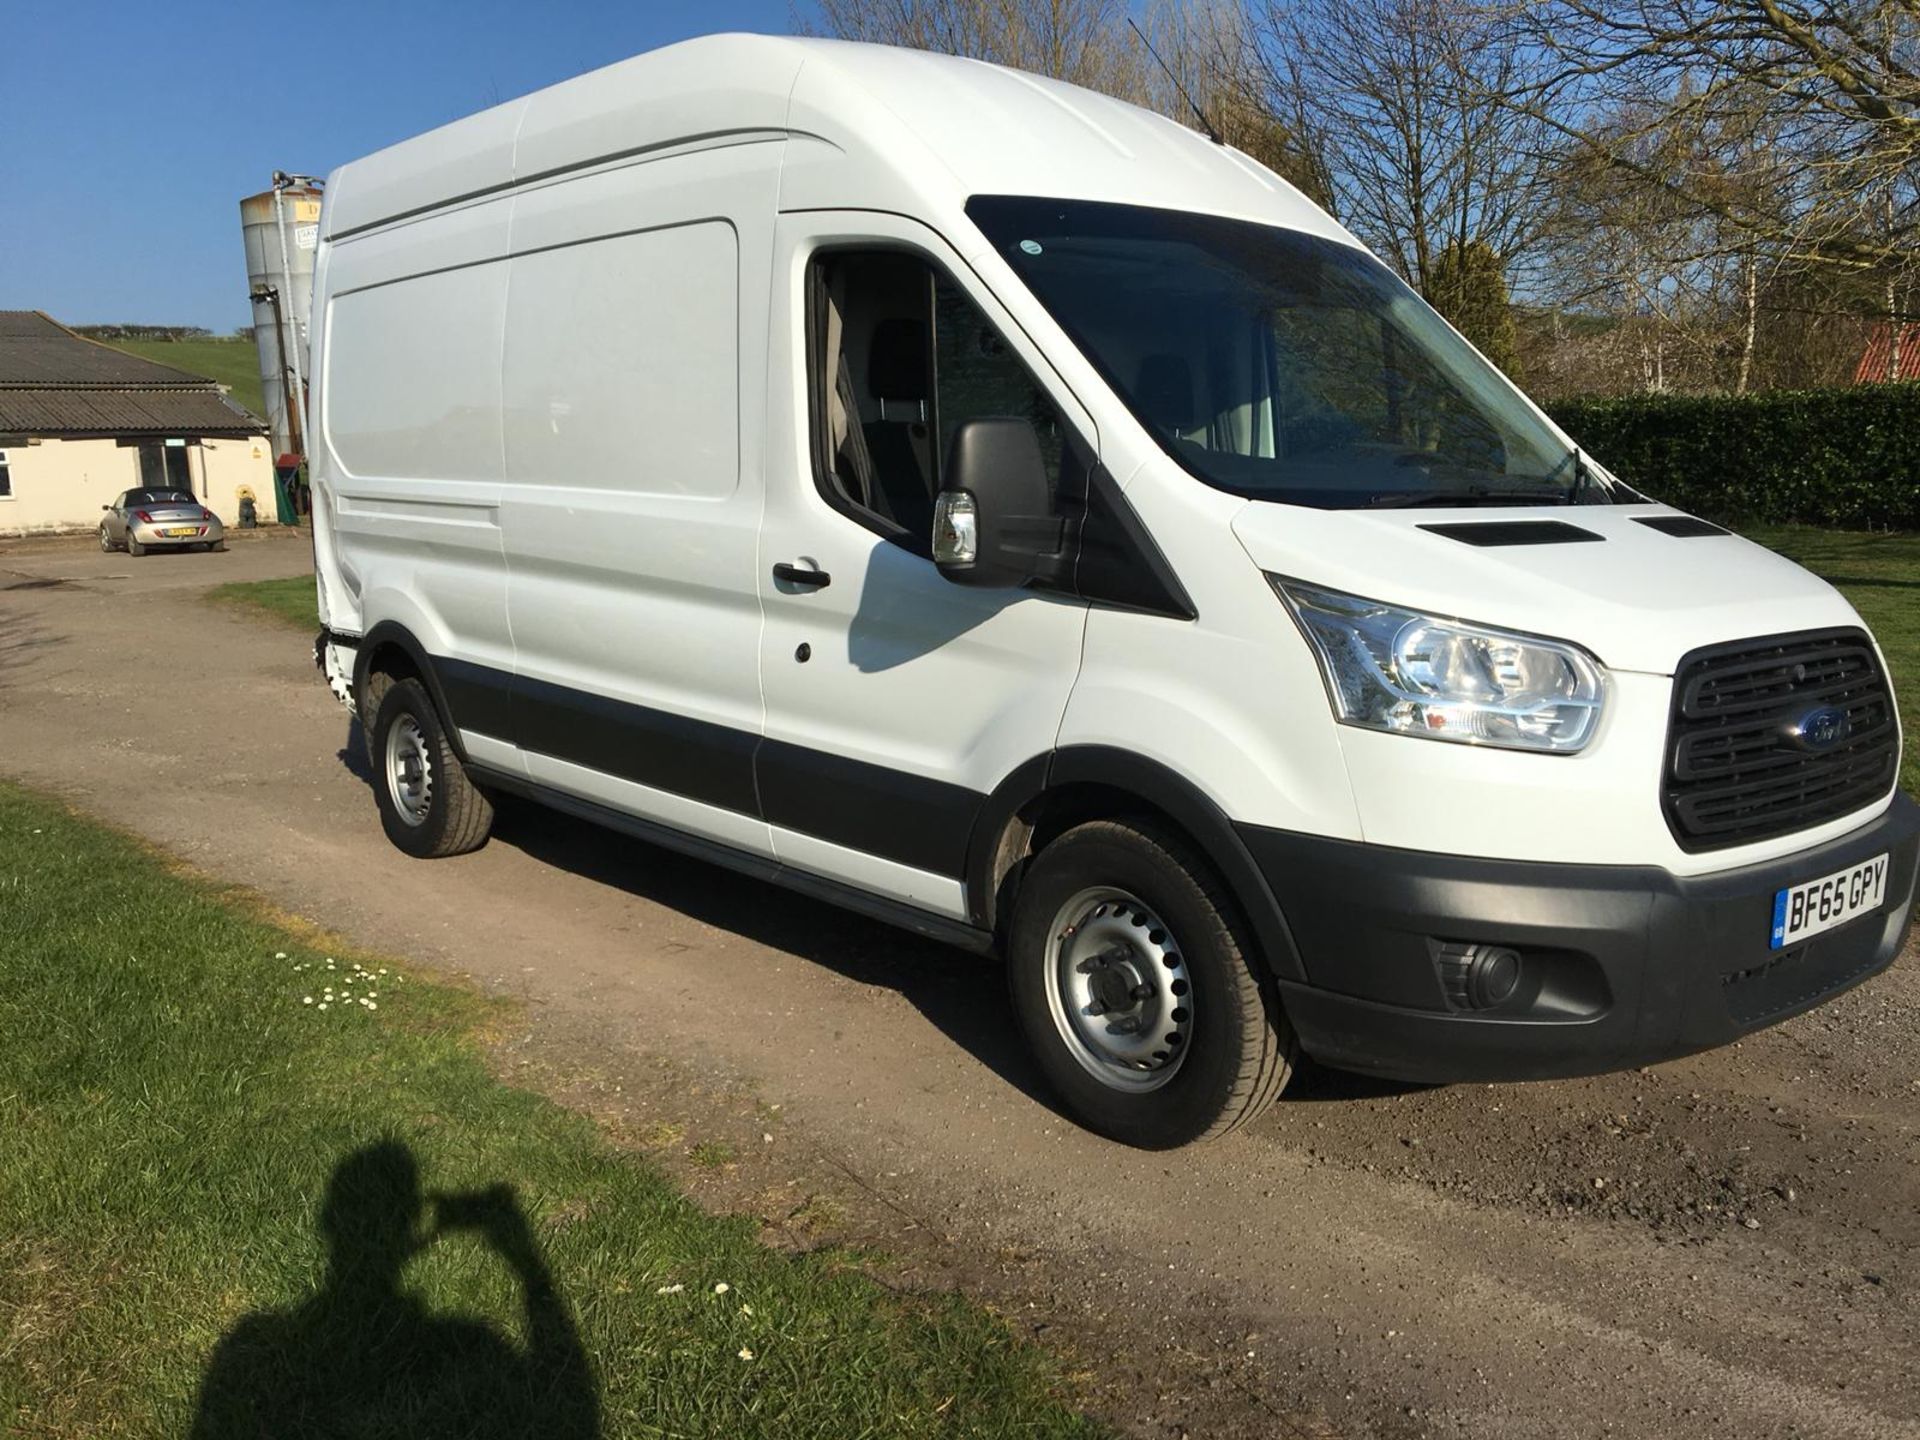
(281, 228)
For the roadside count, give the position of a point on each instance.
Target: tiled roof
(107, 410)
(54, 382)
(1878, 361)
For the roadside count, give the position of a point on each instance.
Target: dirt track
(1723, 1246)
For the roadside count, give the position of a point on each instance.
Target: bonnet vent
(1514, 532)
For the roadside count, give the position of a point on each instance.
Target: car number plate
(179, 530)
(1803, 910)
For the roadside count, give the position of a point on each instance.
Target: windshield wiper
(1583, 477)
(1471, 495)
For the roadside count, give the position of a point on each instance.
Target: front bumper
(1626, 965)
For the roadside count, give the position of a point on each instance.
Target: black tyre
(428, 806)
(1140, 998)
(134, 547)
(106, 540)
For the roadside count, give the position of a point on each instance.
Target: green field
(254, 1184)
(234, 363)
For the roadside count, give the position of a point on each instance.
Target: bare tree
(1211, 55)
(1082, 41)
(1399, 101)
(1834, 88)
(1680, 288)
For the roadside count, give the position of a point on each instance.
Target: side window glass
(900, 357)
(979, 377)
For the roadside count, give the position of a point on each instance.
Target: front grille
(1735, 774)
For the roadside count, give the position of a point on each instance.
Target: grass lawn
(1880, 575)
(291, 601)
(225, 1210)
(234, 363)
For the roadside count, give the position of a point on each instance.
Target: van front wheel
(428, 806)
(1139, 998)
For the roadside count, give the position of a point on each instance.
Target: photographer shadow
(364, 1357)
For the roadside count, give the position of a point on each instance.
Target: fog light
(1478, 977)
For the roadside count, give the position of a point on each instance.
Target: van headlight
(1413, 674)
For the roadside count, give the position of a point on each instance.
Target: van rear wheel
(428, 806)
(1140, 1001)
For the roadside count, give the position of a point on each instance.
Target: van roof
(917, 126)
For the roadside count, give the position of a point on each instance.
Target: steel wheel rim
(409, 770)
(1118, 990)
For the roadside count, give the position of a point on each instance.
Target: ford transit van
(1000, 510)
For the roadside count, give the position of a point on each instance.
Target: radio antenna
(1206, 125)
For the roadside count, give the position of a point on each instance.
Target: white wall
(222, 469)
(61, 484)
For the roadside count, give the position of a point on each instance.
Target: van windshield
(1279, 365)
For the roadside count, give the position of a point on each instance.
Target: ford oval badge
(1820, 729)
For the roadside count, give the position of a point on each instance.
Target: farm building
(1883, 359)
(80, 422)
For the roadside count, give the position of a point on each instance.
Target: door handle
(799, 575)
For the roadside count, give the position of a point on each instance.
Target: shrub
(1469, 287)
(1845, 457)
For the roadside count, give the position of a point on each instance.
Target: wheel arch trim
(1004, 821)
(391, 634)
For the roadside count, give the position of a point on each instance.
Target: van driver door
(895, 700)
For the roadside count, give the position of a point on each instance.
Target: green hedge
(1848, 457)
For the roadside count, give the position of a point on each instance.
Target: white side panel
(728, 827)
(1232, 701)
(905, 670)
(938, 893)
(334, 577)
(414, 378)
(636, 335)
(641, 104)
(470, 155)
(619, 381)
(407, 452)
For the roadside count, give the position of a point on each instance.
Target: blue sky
(130, 131)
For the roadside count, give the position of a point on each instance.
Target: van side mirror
(994, 523)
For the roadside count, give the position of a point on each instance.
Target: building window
(6, 477)
(164, 466)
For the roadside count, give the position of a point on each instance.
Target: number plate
(180, 530)
(1803, 910)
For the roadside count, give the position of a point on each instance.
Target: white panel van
(1002, 511)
